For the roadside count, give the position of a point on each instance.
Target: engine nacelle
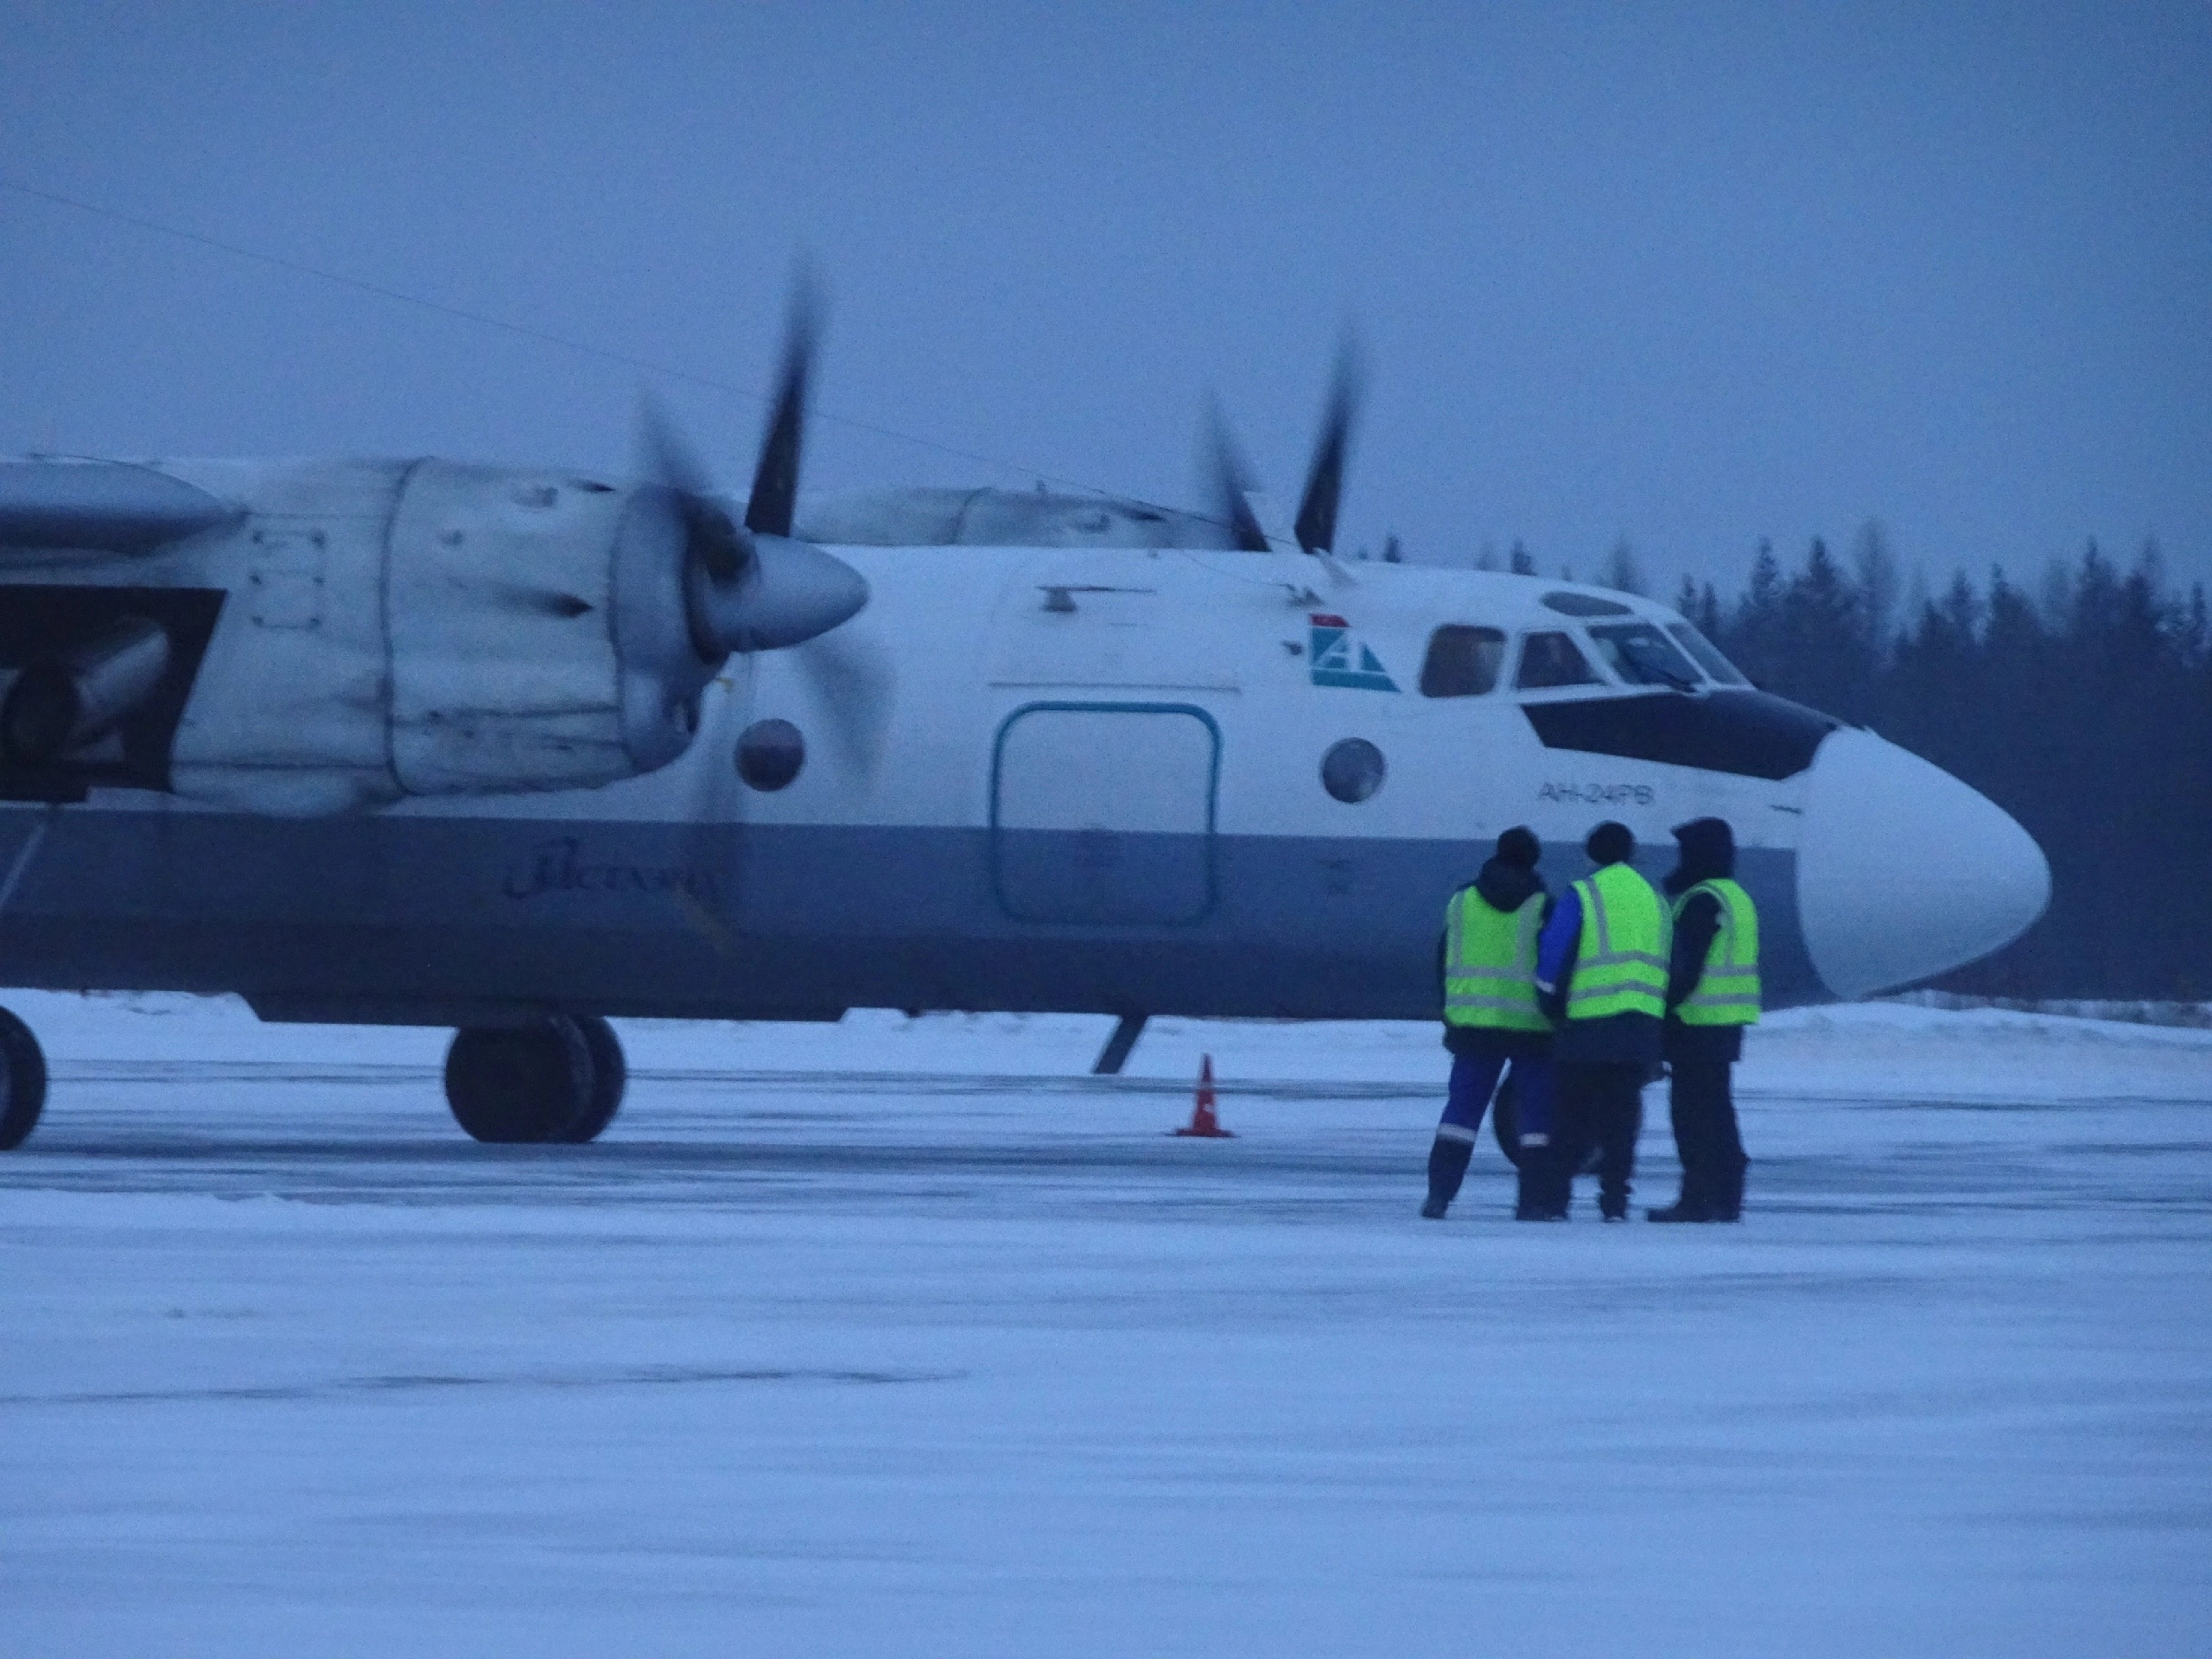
(331, 635)
(538, 633)
(347, 634)
(436, 629)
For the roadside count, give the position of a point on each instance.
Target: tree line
(2082, 708)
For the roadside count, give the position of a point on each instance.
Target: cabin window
(1707, 654)
(1462, 661)
(1640, 655)
(769, 754)
(1553, 660)
(1352, 770)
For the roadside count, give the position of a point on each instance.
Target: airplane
(513, 750)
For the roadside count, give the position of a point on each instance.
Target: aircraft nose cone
(1903, 870)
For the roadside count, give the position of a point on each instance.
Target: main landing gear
(1505, 1124)
(22, 1081)
(554, 1080)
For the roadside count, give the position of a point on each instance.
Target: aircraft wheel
(1505, 1124)
(1505, 1121)
(22, 1081)
(610, 1075)
(520, 1084)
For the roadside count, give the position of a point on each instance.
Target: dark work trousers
(1704, 1113)
(1475, 1074)
(1474, 1080)
(1598, 1107)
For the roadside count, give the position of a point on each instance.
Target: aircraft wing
(98, 506)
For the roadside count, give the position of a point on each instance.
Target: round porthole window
(769, 754)
(1352, 770)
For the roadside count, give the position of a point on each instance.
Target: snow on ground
(907, 1337)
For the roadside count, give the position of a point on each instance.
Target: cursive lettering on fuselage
(561, 865)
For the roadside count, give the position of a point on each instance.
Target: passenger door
(1103, 813)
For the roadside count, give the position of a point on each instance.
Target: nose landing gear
(22, 1081)
(557, 1080)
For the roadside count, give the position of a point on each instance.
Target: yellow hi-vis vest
(1727, 993)
(1620, 963)
(1489, 963)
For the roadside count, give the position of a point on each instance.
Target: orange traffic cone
(1203, 1121)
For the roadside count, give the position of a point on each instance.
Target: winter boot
(1447, 1167)
(1536, 1203)
(1612, 1197)
(1540, 1197)
(1691, 1206)
(1728, 1194)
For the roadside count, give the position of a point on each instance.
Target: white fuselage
(1102, 749)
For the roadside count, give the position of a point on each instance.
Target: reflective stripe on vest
(1727, 993)
(1489, 963)
(1620, 963)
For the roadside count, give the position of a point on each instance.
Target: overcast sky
(1691, 276)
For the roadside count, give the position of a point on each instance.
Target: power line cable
(541, 335)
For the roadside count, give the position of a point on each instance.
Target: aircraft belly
(728, 920)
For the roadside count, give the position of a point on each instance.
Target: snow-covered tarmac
(906, 1337)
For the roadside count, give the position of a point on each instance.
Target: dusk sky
(1694, 276)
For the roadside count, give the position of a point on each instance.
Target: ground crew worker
(1713, 993)
(1601, 976)
(1491, 1017)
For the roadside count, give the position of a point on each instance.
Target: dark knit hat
(1708, 841)
(1708, 853)
(1611, 843)
(1520, 847)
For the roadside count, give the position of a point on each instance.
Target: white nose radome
(1903, 870)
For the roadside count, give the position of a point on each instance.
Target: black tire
(1505, 1125)
(610, 1075)
(22, 1082)
(519, 1086)
(1505, 1121)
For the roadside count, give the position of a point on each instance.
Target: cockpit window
(1462, 661)
(1550, 659)
(1639, 654)
(1707, 654)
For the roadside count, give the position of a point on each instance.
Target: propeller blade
(668, 455)
(742, 590)
(670, 459)
(1231, 482)
(854, 683)
(775, 478)
(1317, 508)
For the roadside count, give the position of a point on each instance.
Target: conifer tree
(1621, 573)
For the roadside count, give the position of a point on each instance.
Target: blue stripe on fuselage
(751, 921)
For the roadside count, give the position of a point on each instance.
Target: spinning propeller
(753, 586)
(1232, 484)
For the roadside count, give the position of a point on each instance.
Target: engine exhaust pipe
(60, 704)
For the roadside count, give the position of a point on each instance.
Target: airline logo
(1340, 658)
